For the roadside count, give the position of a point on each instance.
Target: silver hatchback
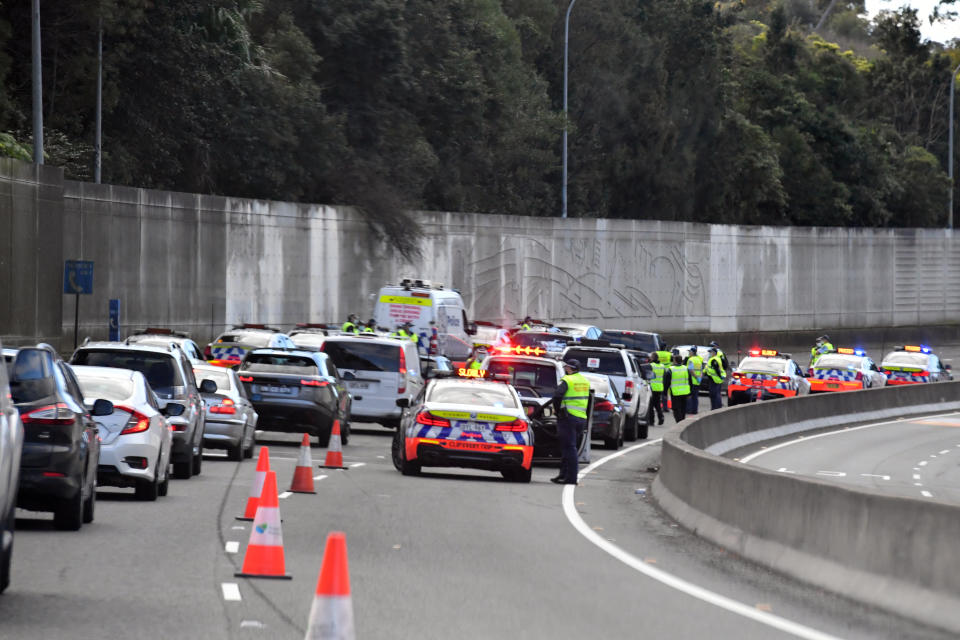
(231, 418)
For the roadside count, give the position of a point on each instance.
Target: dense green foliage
(727, 112)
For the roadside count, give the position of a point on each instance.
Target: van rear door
(371, 371)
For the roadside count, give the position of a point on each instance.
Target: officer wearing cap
(822, 346)
(715, 375)
(570, 402)
(371, 326)
(676, 380)
(720, 354)
(350, 326)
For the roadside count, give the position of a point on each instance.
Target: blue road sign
(78, 276)
(115, 319)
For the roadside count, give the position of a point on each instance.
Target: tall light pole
(953, 86)
(37, 87)
(566, 58)
(99, 117)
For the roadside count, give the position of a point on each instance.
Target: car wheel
(643, 430)
(90, 505)
(69, 515)
(344, 432)
(235, 453)
(147, 490)
(248, 452)
(183, 470)
(6, 558)
(164, 486)
(400, 459)
(198, 461)
(630, 429)
(611, 443)
(517, 475)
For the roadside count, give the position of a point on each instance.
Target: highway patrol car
(469, 423)
(766, 374)
(914, 364)
(846, 369)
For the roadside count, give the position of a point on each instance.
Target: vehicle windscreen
(543, 339)
(363, 356)
(279, 363)
(256, 339)
(31, 376)
(115, 390)
(761, 365)
(906, 359)
(161, 373)
(835, 361)
(526, 375)
(632, 339)
(222, 378)
(313, 340)
(473, 395)
(608, 362)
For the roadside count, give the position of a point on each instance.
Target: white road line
(320, 477)
(238, 527)
(285, 495)
(670, 580)
(757, 454)
(358, 464)
(926, 494)
(945, 451)
(384, 457)
(231, 592)
(922, 463)
(232, 546)
(918, 484)
(916, 476)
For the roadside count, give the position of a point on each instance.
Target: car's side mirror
(173, 409)
(208, 386)
(471, 329)
(403, 403)
(627, 396)
(947, 367)
(102, 407)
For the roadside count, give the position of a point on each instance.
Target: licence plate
(757, 383)
(358, 385)
(833, 385)
(481, 427)
(269, 388)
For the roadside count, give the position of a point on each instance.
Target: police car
(766, 374)
(230, 347)
(468, 423)
(913, 364)
(846, 369)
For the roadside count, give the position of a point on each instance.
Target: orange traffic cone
(334, 459)
(303, 474)
(263, 466)
(264, 556)
(331, 615)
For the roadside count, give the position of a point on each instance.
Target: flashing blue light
(925, 348)
(860, 352)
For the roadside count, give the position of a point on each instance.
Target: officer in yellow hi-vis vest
(656, 386)
(570, 401)
(695, 367)
(715, 375)
(676, 380)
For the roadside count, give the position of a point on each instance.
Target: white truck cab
(427, 305)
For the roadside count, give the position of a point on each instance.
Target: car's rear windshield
(600, 386)
(496, 396)
(526, 375)
(113, 389)
(835, 361)
(632, 339)
(761, 365)
(308, 339)
(906, 359)
(254, 339)
(159, 369)
(280, 363)
(360, 355)
(31, 376)
(538, 339)
(608, 362)
(222, 378)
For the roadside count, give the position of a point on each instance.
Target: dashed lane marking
(285, 495)
(238, 527)
(922, 463)
(232, 546)
(670, 580)
(945, 451)
(358, 464)
(231, 591)
(916, 476)
(320, 477)
(926, 494)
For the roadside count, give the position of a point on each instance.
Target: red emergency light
(764, 352)
(522, 351)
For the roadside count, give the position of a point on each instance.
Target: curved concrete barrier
(900, 554)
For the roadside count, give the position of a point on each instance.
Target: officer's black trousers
(569, 429)
(679, 404)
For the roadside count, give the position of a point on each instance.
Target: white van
(427, 305)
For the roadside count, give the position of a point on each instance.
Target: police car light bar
(847, 351)
(769, 353)
(523, 351)
(916, 348)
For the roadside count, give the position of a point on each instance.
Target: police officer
(350, 326)
(822, 346)
(656, 385)
(715, 373)
(721, 354)
(475, 359)
(570, 401)
(526, 326)
(695, 366)
(371, 326)
(676, 381)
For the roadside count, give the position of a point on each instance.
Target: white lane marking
(381, 457)
(670, 580)
(231, 592)
(933, 455)
(922, 463)
(232, 546)
(252, 624)
(358, 464)
(320, 477)
(916, 476)
(284, 495)
(873, 475)
(918, 484)
(785, 470)
(926, 494)
(238, 527)
(945, 451)
(757, 454)
(832, 474)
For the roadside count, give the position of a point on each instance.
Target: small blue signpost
(114, 319)
(78, 280)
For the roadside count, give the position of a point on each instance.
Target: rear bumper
(43, 493)
(825, 386)
(490, 456)
(739, 393)
(114, 471)
(293, 416)
(895, 383)
(221, 434)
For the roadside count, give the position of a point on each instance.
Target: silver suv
(170, 374)
(11, 447)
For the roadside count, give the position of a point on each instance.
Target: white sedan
(135, 438)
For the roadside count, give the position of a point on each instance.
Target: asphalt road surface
(449, 554)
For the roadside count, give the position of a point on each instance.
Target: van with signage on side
(427, 305)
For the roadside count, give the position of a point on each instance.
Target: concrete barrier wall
(892, 552)
(202, 262)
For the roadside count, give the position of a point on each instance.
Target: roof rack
(248, 325)
(161, 331)
(417, 283)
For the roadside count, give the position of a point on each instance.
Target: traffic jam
(482, 395)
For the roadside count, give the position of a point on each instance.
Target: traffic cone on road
(331, 615)
(264, 555)
(334, 459)
(303, 474)
(263, 466)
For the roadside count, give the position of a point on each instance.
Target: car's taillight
(810, 372)
(314, 383)
(783, 379)
(402, 385)
(246, 378)
(859, 376)
(207, 353)
(628, 387)
(735, 375)
(226, 406)
(603, 405)
(51, 414)
(138, 423)
(516, 425)
(427, 418)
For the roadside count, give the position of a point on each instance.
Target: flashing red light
(246, 378)
(427, 418)
(754, 352)
(516, 425)
(522, 351)
(226, 406)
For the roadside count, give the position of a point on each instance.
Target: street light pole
(953, 86)
(97, 148)
(566, 58)
(37, 87)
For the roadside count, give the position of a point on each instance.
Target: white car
(135, 440)
(231, 418)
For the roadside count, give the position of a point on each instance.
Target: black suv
(170, 374)
(58, 468)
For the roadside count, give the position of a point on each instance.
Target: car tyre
(612, 443)
(248, 452)
(197, 465)
(147, 490)
(344, 431)
(630, 429)
(164, 486)
(90, 505)
(399, 458)
(235, 453)
(643, 430)
(6, 558)
(69, 514)
(517, 475)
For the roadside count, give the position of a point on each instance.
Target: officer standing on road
(371, 326)
(656, 386)
(350, 326)
(526, 326)
(676, 380)
(570, 401)
(476, 358)
(695, 366)
(720, 354)
(822, 346)
(715, 376)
